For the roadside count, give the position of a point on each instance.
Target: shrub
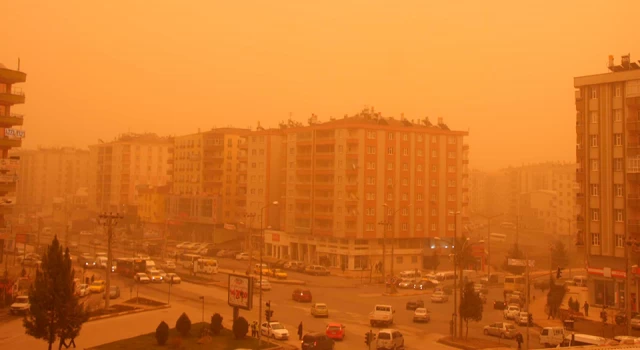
(240, 328)
(183, 325)
(216, 324)
(162, 333)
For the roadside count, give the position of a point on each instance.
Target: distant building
(116, 168)
(608, 176)
(152, 207)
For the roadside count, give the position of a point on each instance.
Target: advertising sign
(240, 292)
(14, 133)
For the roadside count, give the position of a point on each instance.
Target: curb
(292, 282)
(453, 344)
(406, 294)
(124, 313)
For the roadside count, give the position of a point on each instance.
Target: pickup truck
(382, 315)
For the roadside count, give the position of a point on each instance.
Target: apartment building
(348, 183)
(209, 181)
(49, 173)
(11, 136)
(608, 176)
(116, 168)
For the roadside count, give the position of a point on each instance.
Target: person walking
(519, 340)
(300, 331)
(72, 342)
(586, 308)
(254, 329)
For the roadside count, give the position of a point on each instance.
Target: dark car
(621, 317)
(114, 292)
(415, 304)
(499, 305)
(424, 285)
(316, 341)
(301, 295)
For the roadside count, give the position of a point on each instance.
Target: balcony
(12, 119)
(322, 231)
(352, 156)
(323, 215)
(10, 142)
(300, 171)
(634, 227)
(465, 161)
(10, 76)
(303, 185)
(633, 124)
(633, 200)
(303, 156)
(7, 184)
(351, 187)
(352, 140)
(16, 96)
(579, 127)
(324, 171)
(325, 155)
(633, 101)
(324, 185)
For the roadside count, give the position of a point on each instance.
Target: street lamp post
(202, 298)
(390, 217)
(261, 249)
(489, 218)
(109, 221)
(455, 277)
(251, 217)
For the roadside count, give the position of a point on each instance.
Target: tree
(471, 307)
(55, 311)
(514, 253)
(183, 325)
(464, 253)
(240, 328)
(162, 333)
(435, 260)
(216, 324)
(559, 255)
(554, 297)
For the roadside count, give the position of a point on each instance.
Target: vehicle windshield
(321, 307)
(155, 273)
(384, 336)
(276, 326)
(510, 326)
(96, 283)
(334, 328)
(141, 275)
(22, 299)
(383, 308)
(113, 289)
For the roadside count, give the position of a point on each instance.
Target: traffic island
(130, 306)
(225, 340)
(472, 343)
(407, 293)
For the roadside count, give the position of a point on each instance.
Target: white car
(406, 283)
(421, 315)
(389, 339)
(141, 277)
(511, 312)
(266, 285)
(83, 290)
(523, 318)
(21, 305)
(155, 276)
(274, 330)
(242, 256)
(181, 245)
(439, 297)
(172, 278)
(162, 274)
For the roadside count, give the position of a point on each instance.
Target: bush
(183, 325)
(240, 328)
(216, 324)
(162, 333)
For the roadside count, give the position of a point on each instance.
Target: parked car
(319, 310)
(501, 329)
(499, 305)
(181, 245)
(389, 339)
(274, 330)
(481, 288)
(243, 256)
(169, 265)
(261, 267)
(439, 297)
(511, 312)
(97, 286)
(523, 319)
(415, 304)
(265, 285)
(421, 315)
(316, 270)
(301, 295)
(141, 277)
(172, 278)
(114, 292)
(293, 265)
(335, 331)
(317, 341)
(21, 305)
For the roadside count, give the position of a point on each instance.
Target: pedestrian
(72, 342)
(343, 268)
(93, 277)
(519, 340)
(254, 329)
(586, 308)
(300, 331)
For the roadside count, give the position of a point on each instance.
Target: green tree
(55, 311)
(240, 328)
(513, 253)
(559, 255)
(554, 297)
(183, 325)
(471, 307)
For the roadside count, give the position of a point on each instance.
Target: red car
(302, 295)
(335, 331)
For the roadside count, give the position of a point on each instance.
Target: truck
(382, 315)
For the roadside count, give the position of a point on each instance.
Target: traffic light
(269, 304)
(268, 315)
(559, 273)
(530, 319)
(367, 338)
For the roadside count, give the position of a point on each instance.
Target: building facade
(347, 184)
(116, 169)
(50, 173)
(608, 176)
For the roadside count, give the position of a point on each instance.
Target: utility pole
(627, 291)
(489, 218)
(528, 285)
(251, 217)
(109, 220)
(384, 247)
(262, 220)
(455, 277)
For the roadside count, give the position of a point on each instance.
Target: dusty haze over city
(502, 70)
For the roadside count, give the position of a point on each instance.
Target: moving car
(266, 285)
(316, 270)
(82, 290)
(87, 261)
(481, 288)
(381, 315)
(421, 315)
(301, 295)
(274, 330)
(406, 283)
(439, 297)
(335, 331)
(425, 284)
(317, 341)
(523, 319)
(551, 336)
(635, 322)
(114, 292)
(278, 273)
(141, 277)
(389, 339)
(319, 310)
(172, 278)
(20, 306)
(97, 286)
(511, 312)
(501, 329)
(415, 304)
(243, 256)
(155, 276)
(499, 305)
(261, 267)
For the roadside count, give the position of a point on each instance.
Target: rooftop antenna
(18, 64)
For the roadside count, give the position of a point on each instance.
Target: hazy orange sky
(499, 69)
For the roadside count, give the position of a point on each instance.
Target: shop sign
(14, 133)
(606, 272)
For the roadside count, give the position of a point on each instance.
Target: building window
(405, 166)
(390, 151)
(434, 168)
(371, 134)
(399, 259)
(390, 196)
(593, 140)
(433, 227)
(451, 155)
(450, 227)
(405, 182)
(434, 212)
(451, 140)
(617, 139)
(419, 167)
(371, 196)
(434, 154)
(390, 136)
(619, 217)
(451, 183)
(405, 227)
(419, 197)
(371, 212)
(371, 180)
(618, 190)
(405, 151)
(419, 138)
(594, 93)
(371, 150)
(371, 165)
(619, 241)
(389, 182)
(404, 197)
(618, 164)
(419, 153)
(595, 215)
(418, 227)
(595, 189)
(405, 137)
(618, 91)
(595, 239)
(419, 182)
(419, 212)
(594, 117)
(389, 166)
(434, 183)
(370, 227)
(617, 115)
(405, 211)
(451, 169)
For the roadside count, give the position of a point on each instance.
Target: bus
(188, 260)
(124, 267)
(209, 266)
(514, 283)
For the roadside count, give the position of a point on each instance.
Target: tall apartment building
(608, 175)
(343, 179)
(117, 167)
(209, 180)
(49, 173)
(10, 137)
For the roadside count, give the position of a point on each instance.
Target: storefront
(607, 288)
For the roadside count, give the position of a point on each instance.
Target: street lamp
(109, 220)
(260, 268)
(489, 218)
(455, 278)
(391, 216)
(249, 243)
(202, 298)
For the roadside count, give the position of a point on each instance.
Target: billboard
(240, 292)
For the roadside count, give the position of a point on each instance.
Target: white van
(209, 266)
(445, 276)
(470, 275)
(551, 336)
(412, 275)
(580, 281)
